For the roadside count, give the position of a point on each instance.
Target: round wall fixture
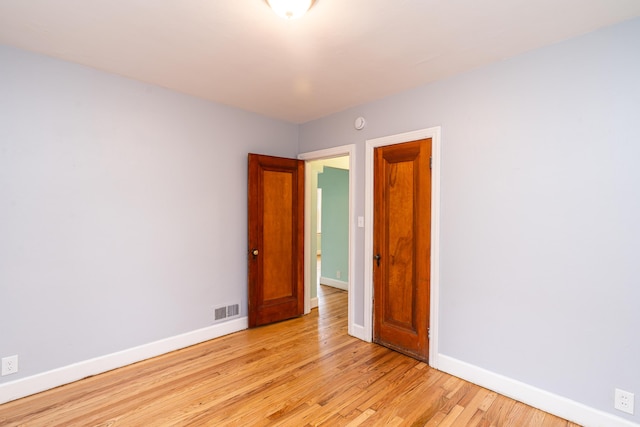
(359, 123)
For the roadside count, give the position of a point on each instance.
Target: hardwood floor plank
(301, 372)
(488, 401)
(436, 420)
(363, 416)
(476, 419)
(471, 407)
(452, 416)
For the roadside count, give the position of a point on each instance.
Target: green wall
(335, 223)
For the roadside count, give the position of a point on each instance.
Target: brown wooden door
(402, 247)
(276, 239)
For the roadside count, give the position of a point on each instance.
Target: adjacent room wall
(122, 210)
(539, 211)
(335, 226)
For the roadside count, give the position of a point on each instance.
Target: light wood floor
(302, 372)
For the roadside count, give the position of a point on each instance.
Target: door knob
(377, 258)
(254, 252)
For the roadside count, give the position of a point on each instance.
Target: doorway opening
(329, 223)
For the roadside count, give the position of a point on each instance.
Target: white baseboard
(77, 371)
(538, 398)
(358, 331)
(313, 302)
(334, 283)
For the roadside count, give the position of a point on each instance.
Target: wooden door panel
(402, 223)
(399, 247)
(277, 249)
(276, 239)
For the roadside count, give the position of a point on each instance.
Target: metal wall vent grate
(233, 310)
(221, 313)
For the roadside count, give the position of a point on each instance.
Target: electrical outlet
(624, 401)
(9, 365)
(338, 274)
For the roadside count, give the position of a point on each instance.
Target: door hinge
(429, 333)
(430, 162)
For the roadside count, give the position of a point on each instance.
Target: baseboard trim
(334, 283)
(313, 302)
(538, 398)
(67, 374)
(358, 331)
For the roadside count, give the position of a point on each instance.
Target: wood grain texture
(301, 372)
(278, 234)
(402, 239)
(276, 238)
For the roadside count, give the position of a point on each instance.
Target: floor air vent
(226, 312)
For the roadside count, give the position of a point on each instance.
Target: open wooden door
(402, 247)
(276, 239)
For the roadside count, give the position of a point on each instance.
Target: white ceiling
(342, 53)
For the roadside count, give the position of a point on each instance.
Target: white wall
(122, 210)
(540, 209)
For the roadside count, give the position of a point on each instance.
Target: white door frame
(344, 150)
(434, 134)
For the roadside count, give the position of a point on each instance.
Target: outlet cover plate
(624, 401)
(9, 365)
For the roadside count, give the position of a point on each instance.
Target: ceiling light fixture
(290, 9)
